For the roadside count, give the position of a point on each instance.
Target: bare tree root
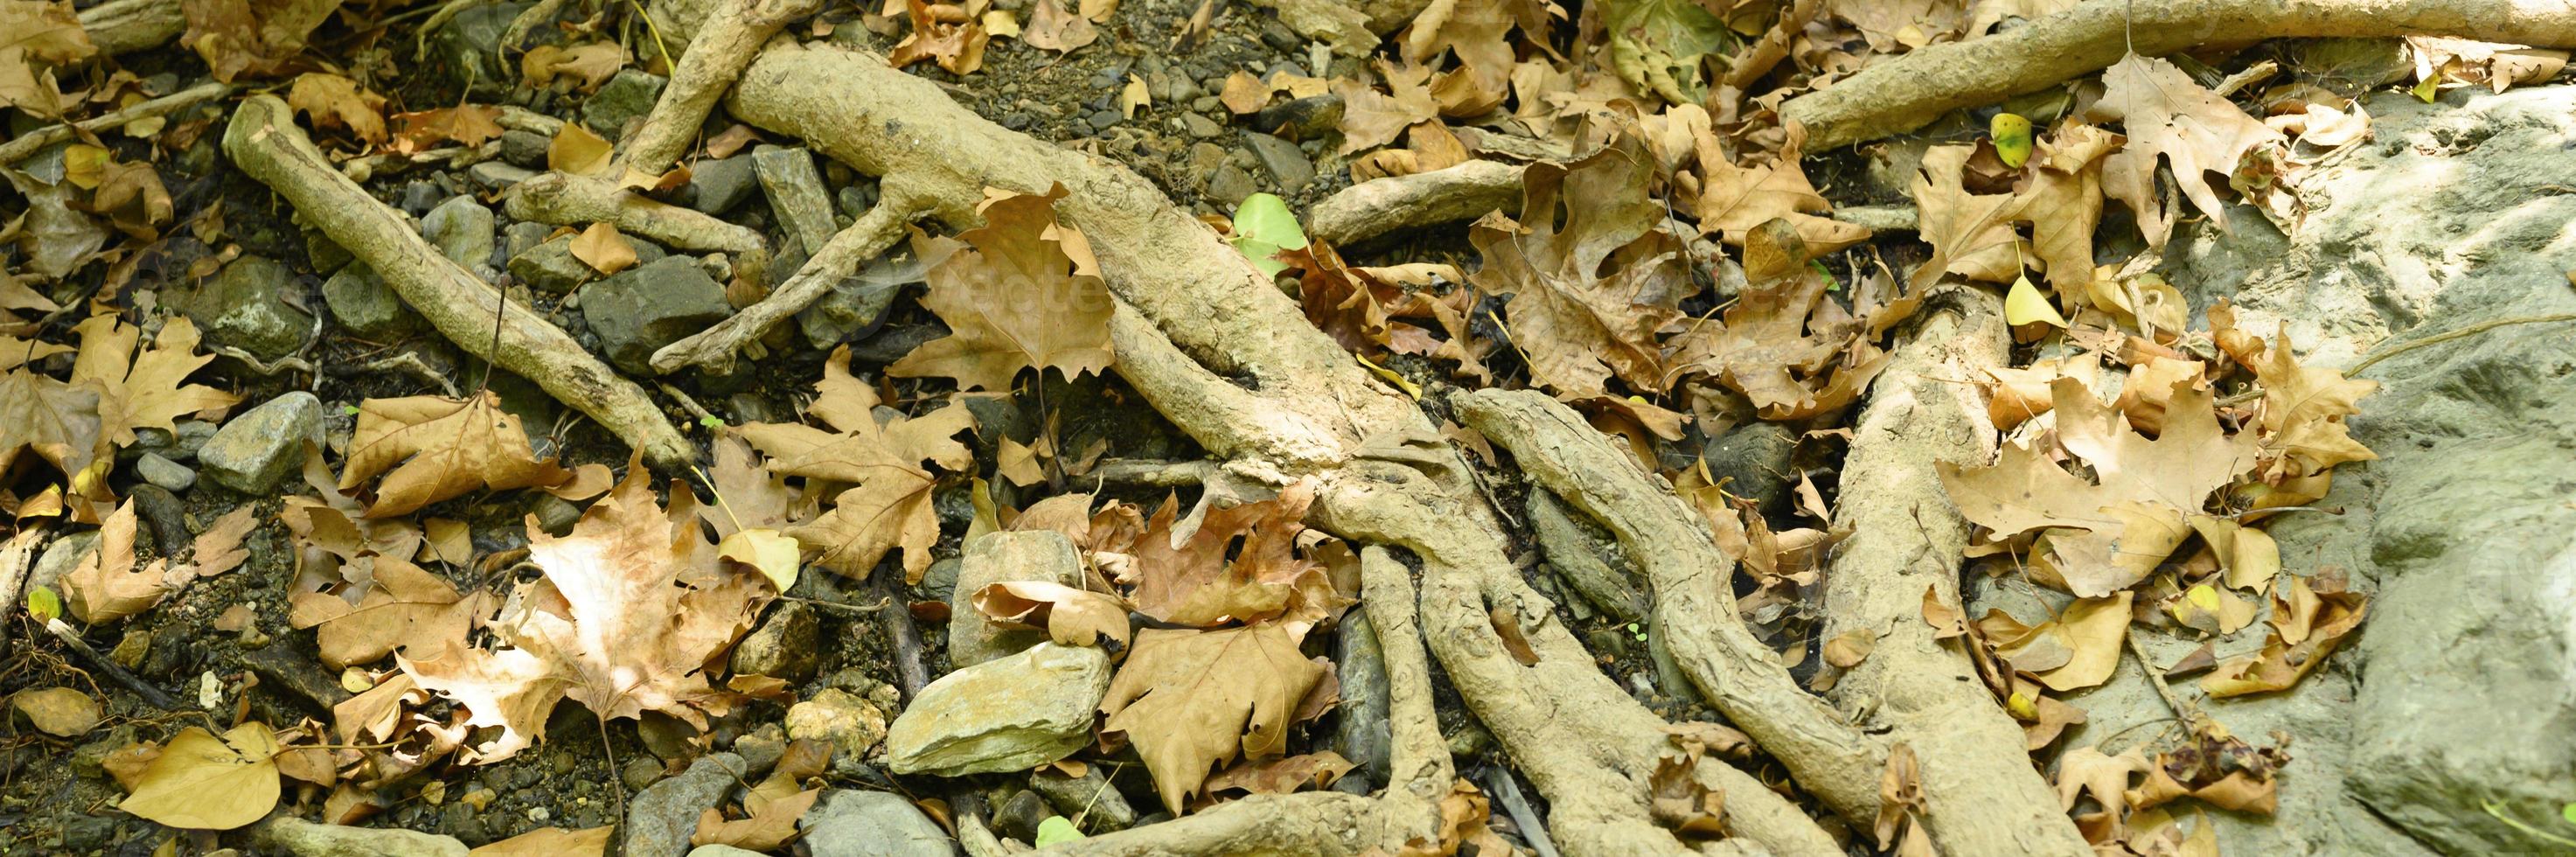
(23, 145)
(1898, 95)
(714, 348)
(566, 200)
(725, 45)
(264, 141)
(125, 26)
(1395, 203)
(1232, 362)
(1693, 605)
(1332, 823)
(1982, 794)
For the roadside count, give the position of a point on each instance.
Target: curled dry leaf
(577, 151)
(437, 448)
(105, 586)
(2078, 649)
(58, 711)
(1020, 292)
(251, 38)
(592, 63)
(1593, 283)
(1282, 775)
(464, 125)
(1785, 344)
(957, 47)
(406, 608)
(2173, 120)
(889, 506)
(550, 842)
(332, 101)
(1070, 616)
(207, 782)
(1054, 29)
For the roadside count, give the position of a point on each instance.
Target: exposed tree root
(1232, 362)
(566, 200)
(725, 45)
(29, 143)
(1447, 195)
(1693, 605)
(124, 26)
(264, 141)
(1983, 796)
(1899, 95)
(715, 347)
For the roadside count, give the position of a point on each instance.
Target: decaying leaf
(1371, 119)
(1785, 344)
(1052, 28)
(58, 711)
(2215, 767)
(1070, 616)
(1282, 775)
(2172, 119)
(1241, 564)
(106, 586)
(605, 251)
(889, 505)
(1020, 292)
(332, 101)
(251, 38)
(208, 782)
(406, 607)
(40, 34)
(631, 608)
(439, 448)
(2307, 625)
(2077, 649)
(1592, 276)
(463, 125)
(592, 62)
(1189, 700)
(956, 46)
(1735, 199)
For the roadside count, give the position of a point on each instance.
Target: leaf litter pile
(1660, 261)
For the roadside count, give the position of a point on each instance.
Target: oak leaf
(2170, 118)
(437, 448)
(890, 505)
(1371, 119)
(406, 608)
(1241, 564)
(1189, 700)
(332, 101)
(146, 386)
(1020, 292)
(1592, 276)
(631, 609)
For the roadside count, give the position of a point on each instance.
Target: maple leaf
(2304, 409)
(405, 607)
(1190, 700)
(1733, 199)
(437, 448)
(748, 496)
(333, 101)
(1020, 292)
(2109, 533)
(593, 62)
(1971, 233)
(1240, 565)
(465, 125)
(631, 609)
(1371, 119)
(105, 585)
(334, 538)
(143, 387)
(58, 422)
(2173, 119)
(959, 48)
(890, 506)
(1357, 307)
(1785, 344)
(40, 34)
(1591, 275)
(254, 38)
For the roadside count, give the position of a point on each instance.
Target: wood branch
(125, 26)
(714, 348)
(1898, 95)
(1983, 795)
(264, 141)
(33, 141)
(725, 44)
(1693, 604)
(1396, 203)
(568, 200)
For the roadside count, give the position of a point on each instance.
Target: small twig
(33, 141)
(705, 417)
(409, 363)
(1153, 474)
(2189, 712)
(2446, 336)
(908, 669)
(152, 696)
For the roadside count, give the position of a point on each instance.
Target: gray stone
(1285, 162)
(245, 306)
(551, 267)
(722, 184)
(307, 839)
(644, 308)
(626, 96)
(1366, 736)
(852, 309)
(1230, 185)
(1089, 799)
(467, 48)
(525, 148)
(721, 851)
(1019, 816)
(1040, 555)
(660, 820)
(853, 726)
(1753, 460)
(461, 229)
(361, 301)
(940, 581)
(325, 254)
(255, 451)
(848, 823)
(60, 557)
(1302, 119)
(1200, 126)
(525, 235)
(784, 646)
(192, 436)
(796, 194)
(170, 475)
(1010, 714)
(498, 175)
(1586, 557)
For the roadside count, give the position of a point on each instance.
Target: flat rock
(461, 229)
(467, 48)
(1009, 714)
(361, 301)
(796, 194)
(253, 452)
(641, 309)
(784, 646)
(1040, 555)
(853, 726)
(551, 267)
(847, 823)
(307, 839)
(661, 818)
(245, 306)
(170, 475)
(719, 185)
(626, 96)
(1286, 163)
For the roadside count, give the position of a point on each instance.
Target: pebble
(1089, 797)
(170, 475)
(785, 646)
(497, 175)
(551, 267)
(624, 98)
(847, 823)
(1286, 164)
(462, 230)
(722, 184)
(246, 305)
(524, 148)
(361, 301)
(851, 725)
(253, 452)
(660, 820)
(637, 311)
(1198, 125)
(1230, 185)
(1009, 714)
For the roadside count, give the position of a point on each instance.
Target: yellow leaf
(58, 711)
(603, 249)
(2011, 132)
(1133, 96)
(771, 551)
(549, 842)
(2025, 305)
(83, 164)
(578, 152)
(204, 782)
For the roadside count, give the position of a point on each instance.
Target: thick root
(569, 200)
(1693, 606)
(725, 44)
(1983, 795)
(264, 141)
(1898, 95)
(1396, 203)
(125, 26)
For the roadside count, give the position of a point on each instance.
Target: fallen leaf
(105, 586)
(1946, 621)
(775, 554)
(1282, 775)
(1849, 648)
(1051, 28)
(251, 38)
(465, 125)
(2170, 118)
(1189, 700)
(58, 422)
(406, 608)
(204, 782)
(1070, 616)
(2085, 770)
(437, 448)
(40, 34)
(1657, 45)
(550, 842)
(1899, 827)
(1786, 344)
(1734, 199)
(577, 151)
(603, 249)
(890, 507)
(332, 101)
(1020, 292)
(54, 237)
(1241, 564)
(1589, 288)
(2077, 649)
(58, 711)
(592, 62)
(957, 47)
(143, 385)
(2307, 626)
(1371, 119)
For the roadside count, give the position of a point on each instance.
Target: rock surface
(660, 820)
(642, 309)
(1010, 714)
(1041, 555)
(851, 725)
(796, 194)
(625, 97)
(871, 824)
(784, 646)
(257, 449)
(461, 229)
(307, 839)
(551, 267)
(362, 302)
(245, 306)
(719, 185)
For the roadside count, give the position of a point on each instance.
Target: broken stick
(264, 141)
(714, 348)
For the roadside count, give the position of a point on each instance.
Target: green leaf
(1263, 226)
(1056, 829)
(1657, 45)
(43, 604)
(2568, 812)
